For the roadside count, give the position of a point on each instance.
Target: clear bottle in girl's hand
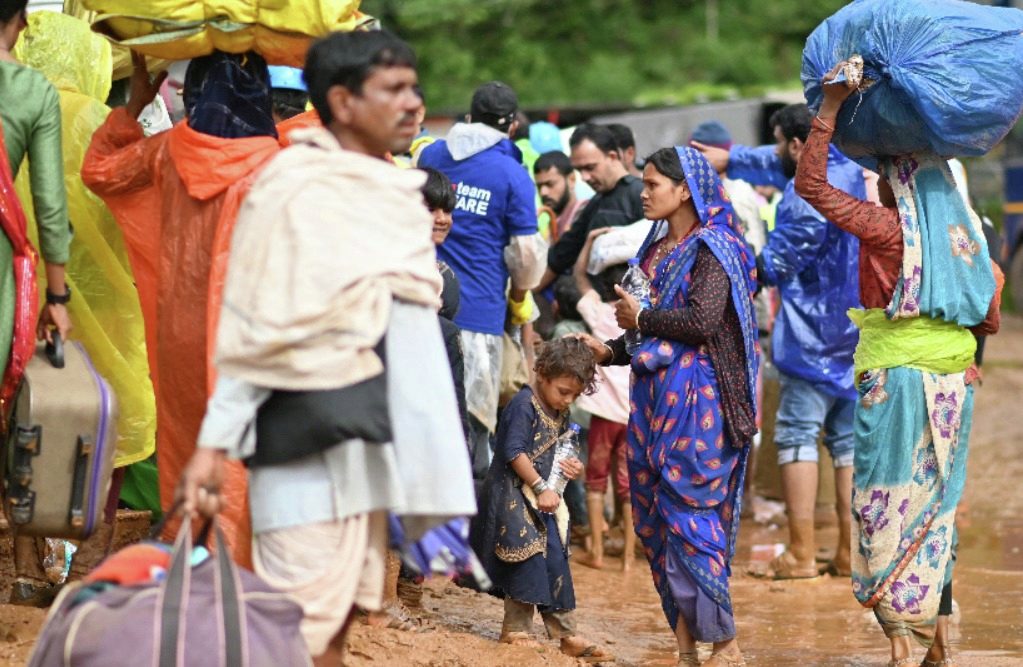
(567, 448)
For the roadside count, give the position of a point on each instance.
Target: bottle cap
(634, 261)
(575, 427)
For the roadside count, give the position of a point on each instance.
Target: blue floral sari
(686, 475)
(915, 409)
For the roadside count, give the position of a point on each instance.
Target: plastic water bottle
(567, 447)
(637, 285)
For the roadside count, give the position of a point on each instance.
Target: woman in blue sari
(693, 396)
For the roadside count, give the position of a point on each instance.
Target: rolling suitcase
(60, 445)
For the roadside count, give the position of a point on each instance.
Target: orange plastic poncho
(301, 121)
(176, 196)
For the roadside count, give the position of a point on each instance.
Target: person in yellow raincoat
(175, 196)
(106, 311)
(105, 307)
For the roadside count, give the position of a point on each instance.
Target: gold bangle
(826, 126)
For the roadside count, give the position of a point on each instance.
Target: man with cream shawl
(332, 255)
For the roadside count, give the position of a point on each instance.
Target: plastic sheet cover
(104, 308)
(946, 75)
(181, 29)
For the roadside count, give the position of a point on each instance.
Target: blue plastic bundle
(946, 76)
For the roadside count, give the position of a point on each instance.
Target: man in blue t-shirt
(494, 238)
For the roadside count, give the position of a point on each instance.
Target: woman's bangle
(638, 313)
(825, 124)
(539, 486)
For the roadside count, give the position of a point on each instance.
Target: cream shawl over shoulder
(325, 239)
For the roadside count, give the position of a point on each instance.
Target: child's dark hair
(567, 295)
(570, 357)
(437, 191)
(607, 279)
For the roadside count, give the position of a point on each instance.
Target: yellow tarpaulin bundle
(122, 54)
(104, 307)
(279, 30)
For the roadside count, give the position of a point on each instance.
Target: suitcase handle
(55, 351)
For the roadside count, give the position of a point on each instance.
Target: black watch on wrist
(58, 299)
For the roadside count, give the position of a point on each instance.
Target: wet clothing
(813, 263)
(686, 467)
(616, 208)
(524, 550)
(176, 196)
(915, 405)
(105, 306)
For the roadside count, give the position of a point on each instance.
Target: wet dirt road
(780, 624)
(815, 622)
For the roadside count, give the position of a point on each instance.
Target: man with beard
(597, 158)
(555, 182)
(814, 265)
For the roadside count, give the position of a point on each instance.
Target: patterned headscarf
(228, 96)
(720, 232)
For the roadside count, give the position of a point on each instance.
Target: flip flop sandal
(592, 654)
(786, 567)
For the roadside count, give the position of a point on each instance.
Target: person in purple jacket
(494, 239)
(814, 265)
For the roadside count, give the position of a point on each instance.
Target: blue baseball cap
(287, 77)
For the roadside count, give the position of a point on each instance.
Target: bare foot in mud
(591, 561)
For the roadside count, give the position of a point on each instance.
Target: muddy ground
(814, 622)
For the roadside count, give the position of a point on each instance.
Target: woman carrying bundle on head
(929, 286)
(693, 396)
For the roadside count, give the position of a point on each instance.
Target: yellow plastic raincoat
(104, 307)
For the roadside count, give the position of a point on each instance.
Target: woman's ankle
(902, 647)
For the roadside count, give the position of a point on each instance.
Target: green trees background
(577, 52)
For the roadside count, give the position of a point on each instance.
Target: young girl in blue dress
(522, 530)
